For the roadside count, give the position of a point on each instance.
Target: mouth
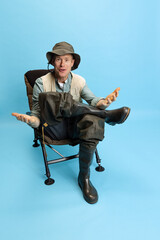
(62, 70)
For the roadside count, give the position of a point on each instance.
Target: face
(62, 66)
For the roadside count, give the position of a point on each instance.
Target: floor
(129, 188)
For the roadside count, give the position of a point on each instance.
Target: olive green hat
(63, 48)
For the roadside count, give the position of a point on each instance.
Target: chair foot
(36, 144)
(100, 168)
(49, 181)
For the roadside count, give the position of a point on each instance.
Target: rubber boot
(111, 117)
(85, 159)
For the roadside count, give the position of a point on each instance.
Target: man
(57, 99)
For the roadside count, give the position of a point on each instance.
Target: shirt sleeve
(37, 89)
(89, 97)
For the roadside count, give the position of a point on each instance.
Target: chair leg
(35, 139)
(49, 180)
(98, 160)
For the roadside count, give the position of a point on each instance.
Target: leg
(55, 106)
(111, 117)
(85, 160)
(90, 130)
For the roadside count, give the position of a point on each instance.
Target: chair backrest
(30, 78)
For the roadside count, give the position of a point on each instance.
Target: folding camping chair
(30, 78)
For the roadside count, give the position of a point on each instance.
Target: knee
(91, 127)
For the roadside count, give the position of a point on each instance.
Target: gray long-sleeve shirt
(86, 94)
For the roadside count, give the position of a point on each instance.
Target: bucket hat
(63, 48)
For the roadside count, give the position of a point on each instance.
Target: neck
(61, 79)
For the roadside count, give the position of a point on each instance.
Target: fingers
(112, 97)
(115, 94)
(15, 114)
(22, 117)
(117, 91)
(108, 101)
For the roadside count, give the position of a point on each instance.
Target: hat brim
(61, 52)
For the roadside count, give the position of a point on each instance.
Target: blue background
(119, 44)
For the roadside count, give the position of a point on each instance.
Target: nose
(62, 62)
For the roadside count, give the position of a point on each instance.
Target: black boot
(117, 116)
(111, 117)
(85, 159)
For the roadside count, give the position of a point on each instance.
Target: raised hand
(104, 103)
(31, 120)
(112, 97)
